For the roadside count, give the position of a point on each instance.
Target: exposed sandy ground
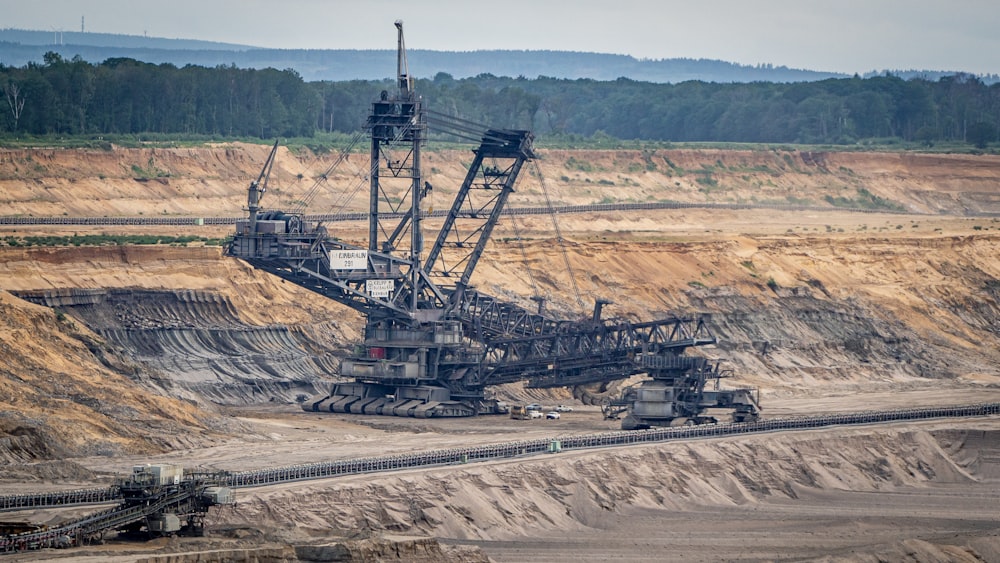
(870, 311)
(212, 181)
(920, 491)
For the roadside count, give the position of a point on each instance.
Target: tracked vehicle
(433, 345)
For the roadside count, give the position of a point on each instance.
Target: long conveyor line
(59, 498)
(358, 216)
(89, 526)
(502, 450)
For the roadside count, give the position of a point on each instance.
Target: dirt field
(866, 311)
(921, 491)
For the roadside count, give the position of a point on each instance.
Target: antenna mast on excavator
(405, 81)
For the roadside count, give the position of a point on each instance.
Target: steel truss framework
(426, 326)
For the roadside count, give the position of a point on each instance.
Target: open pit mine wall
(195, 344)
(799, 338)
(201, 181)
(925, 308)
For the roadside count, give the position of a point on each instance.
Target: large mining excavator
(433, 344)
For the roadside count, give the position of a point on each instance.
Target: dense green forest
(127, 97)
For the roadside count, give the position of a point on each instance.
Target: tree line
(128, 97)
(125, 96)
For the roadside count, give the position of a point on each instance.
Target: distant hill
(19, 47)
(71, 38)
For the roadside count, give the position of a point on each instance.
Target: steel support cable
(448, 128)
(463, 137)
(476, 136)
(466, 125)
(347, 197)
(455, 118)
(559, 237)
(312, 162)
(310, 195)
(524, 256)
(451, 122)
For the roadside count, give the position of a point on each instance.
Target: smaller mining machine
(433, 344)
(156, 500)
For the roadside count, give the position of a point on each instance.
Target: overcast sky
(841, 36)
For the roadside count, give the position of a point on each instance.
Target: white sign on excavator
(380, 288)
(348, 259)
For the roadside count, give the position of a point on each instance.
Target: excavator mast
(404, 80)
(433, 343)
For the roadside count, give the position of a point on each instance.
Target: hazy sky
(834, 35)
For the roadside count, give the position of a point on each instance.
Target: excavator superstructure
(433, 344)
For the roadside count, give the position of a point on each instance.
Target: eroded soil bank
(212, 181)
(794, 315)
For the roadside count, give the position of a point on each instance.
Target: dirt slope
(95, 365)
(63, 392)
(212, 181)
(857, 495)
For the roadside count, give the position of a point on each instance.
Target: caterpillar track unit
(434, 345)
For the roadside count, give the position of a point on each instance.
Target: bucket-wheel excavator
(433, 344)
